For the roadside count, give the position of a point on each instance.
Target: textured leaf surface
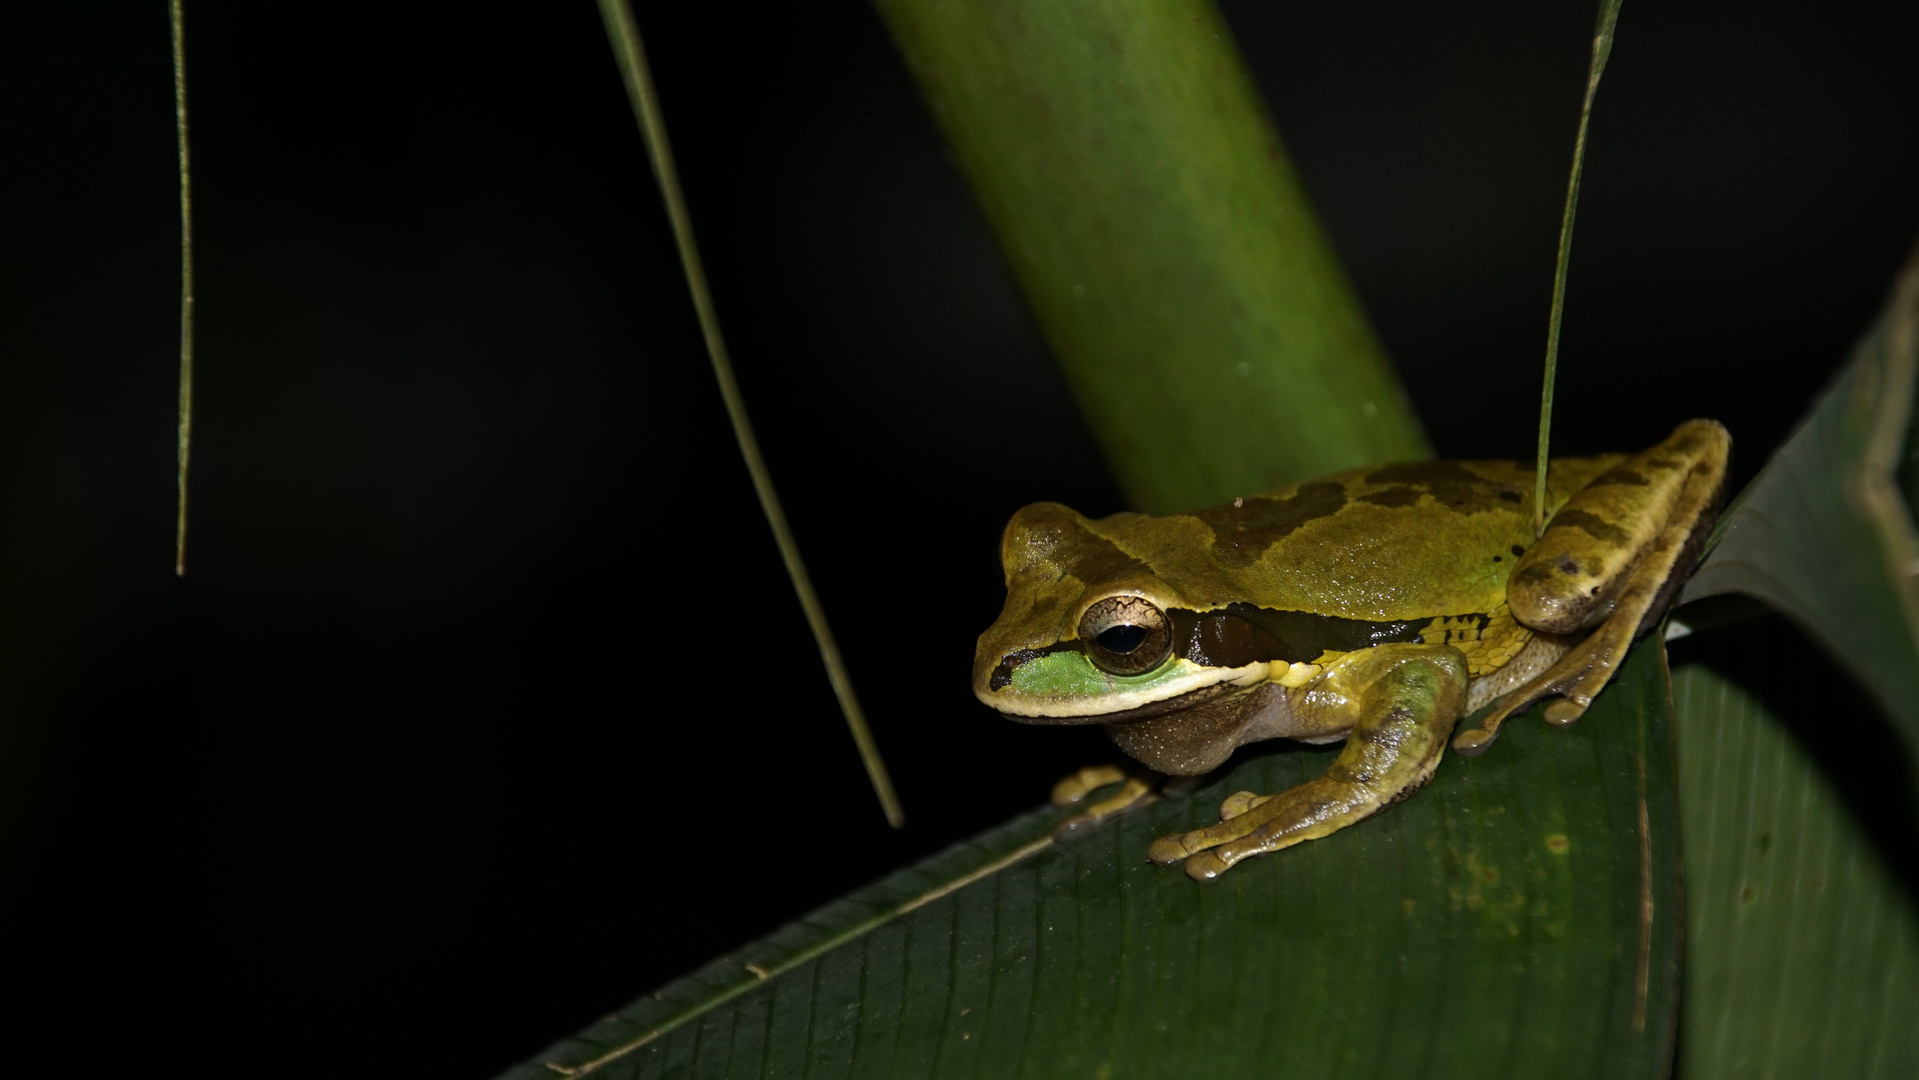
(1824, 533)
(1519, 916)
(1802, 948)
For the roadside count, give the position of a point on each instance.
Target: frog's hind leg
(1402, 700)
(1617, 551)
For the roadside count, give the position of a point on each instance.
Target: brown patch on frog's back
(1241, 534)
(1619, 476)
(1394, 497)
(1453, 484)
(1594, 526)
(1536, 574)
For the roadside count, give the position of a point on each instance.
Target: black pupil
(1122, 639)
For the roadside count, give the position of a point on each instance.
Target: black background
(485, 707)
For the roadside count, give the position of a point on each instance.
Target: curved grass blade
(1602, 50)
(1802, 950)
(1518, 917)
(177, 18)
(1824, 535)
(624, 34)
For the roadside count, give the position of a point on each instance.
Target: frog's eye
(1125, 635)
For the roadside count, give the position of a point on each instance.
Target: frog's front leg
(1137, 787)
(1397, 703)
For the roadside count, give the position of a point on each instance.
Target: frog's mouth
(1118, 707)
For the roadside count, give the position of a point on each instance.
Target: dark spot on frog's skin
(1517, 551)
(1567, 566)
(1538, 573)
(1449, 482)
(1241, 534)
(1592, 525)
(1499, 558)
(1621, 475)
(1512, 497)
(1394, 497)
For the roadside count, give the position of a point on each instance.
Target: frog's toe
(1137, 791)
(1565, 711)
(1239, 802)
(1206, 866)
(1076, 787)
(1169, 850)
(1473, 741)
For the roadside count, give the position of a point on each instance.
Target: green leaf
(1123, 158)
(1802, 950)
(1824, 535)
(1519, 916)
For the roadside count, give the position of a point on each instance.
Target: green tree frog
(1375, 606)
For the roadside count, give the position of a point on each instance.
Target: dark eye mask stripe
(1241, 634)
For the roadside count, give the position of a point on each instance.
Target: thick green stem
(1124, 159)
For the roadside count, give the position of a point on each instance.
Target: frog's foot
(1137, 788)
(1258, 824)
(1577, 678)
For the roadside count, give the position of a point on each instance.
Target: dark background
(485, 707)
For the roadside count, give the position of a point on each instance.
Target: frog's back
(1385, 542)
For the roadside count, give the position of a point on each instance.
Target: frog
(1374, 607)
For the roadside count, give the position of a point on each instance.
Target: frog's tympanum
(1376, 606)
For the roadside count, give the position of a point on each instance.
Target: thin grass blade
(624, 34)
(1602, 51)
(177, 19)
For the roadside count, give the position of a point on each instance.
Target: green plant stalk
(1602, 49)
(1124, 160)
(624, 34)
(177, 18)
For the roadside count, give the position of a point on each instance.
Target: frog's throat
(1201, 684)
